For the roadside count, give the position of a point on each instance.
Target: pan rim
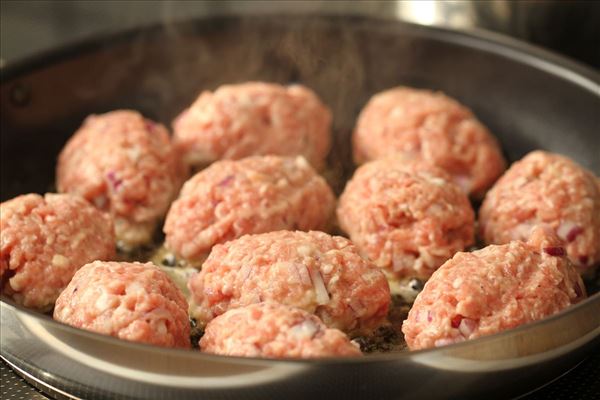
(497, 43)
(591, 301)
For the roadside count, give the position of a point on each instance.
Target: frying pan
(530, 99)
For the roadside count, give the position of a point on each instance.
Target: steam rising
(327, 57)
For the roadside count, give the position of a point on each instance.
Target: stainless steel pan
(529, 98)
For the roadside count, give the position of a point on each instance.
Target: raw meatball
(492, 290)
(44, 241)
(125, 164)
(254, 118)
(551, 190)
(254, 195)
(433, 127)
(275, 331)
(130, 301)
(314, 271)
(407, 216)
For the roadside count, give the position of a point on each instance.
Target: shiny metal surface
(520, 92)
(92, 366)
(569, 27)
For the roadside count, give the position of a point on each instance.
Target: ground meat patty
(551, 190)
(274, 330)
(314, 271)
(253, 195)
(45, 240)
(433, 127)
(407, 216)
(130, 301)
(254, 118)
(492, 290)
(125, 164)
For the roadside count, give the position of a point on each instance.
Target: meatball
(313, 271)
(130, 301)
(44, 241)
(124, 164)
(275, 331)
(254, 118)
(551, 190)
(492, 290)
(407, 216)
(433, 127)
(254, 195)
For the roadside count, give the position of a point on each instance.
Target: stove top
(581, 383)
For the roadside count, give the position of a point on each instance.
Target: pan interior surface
(345, 60)
(159, 71)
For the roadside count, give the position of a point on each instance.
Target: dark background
(571, 27)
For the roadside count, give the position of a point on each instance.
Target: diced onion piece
(306, 328)
(445, 341)
(304, 273)
(456, 320)
(437, 181)
(226, 181)
(555, 251)
(523, 230)
(464, 182)
(319, 285)
(114, 181)
(467, 327)
(573, 233)
(568, 231)
(564, 228)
